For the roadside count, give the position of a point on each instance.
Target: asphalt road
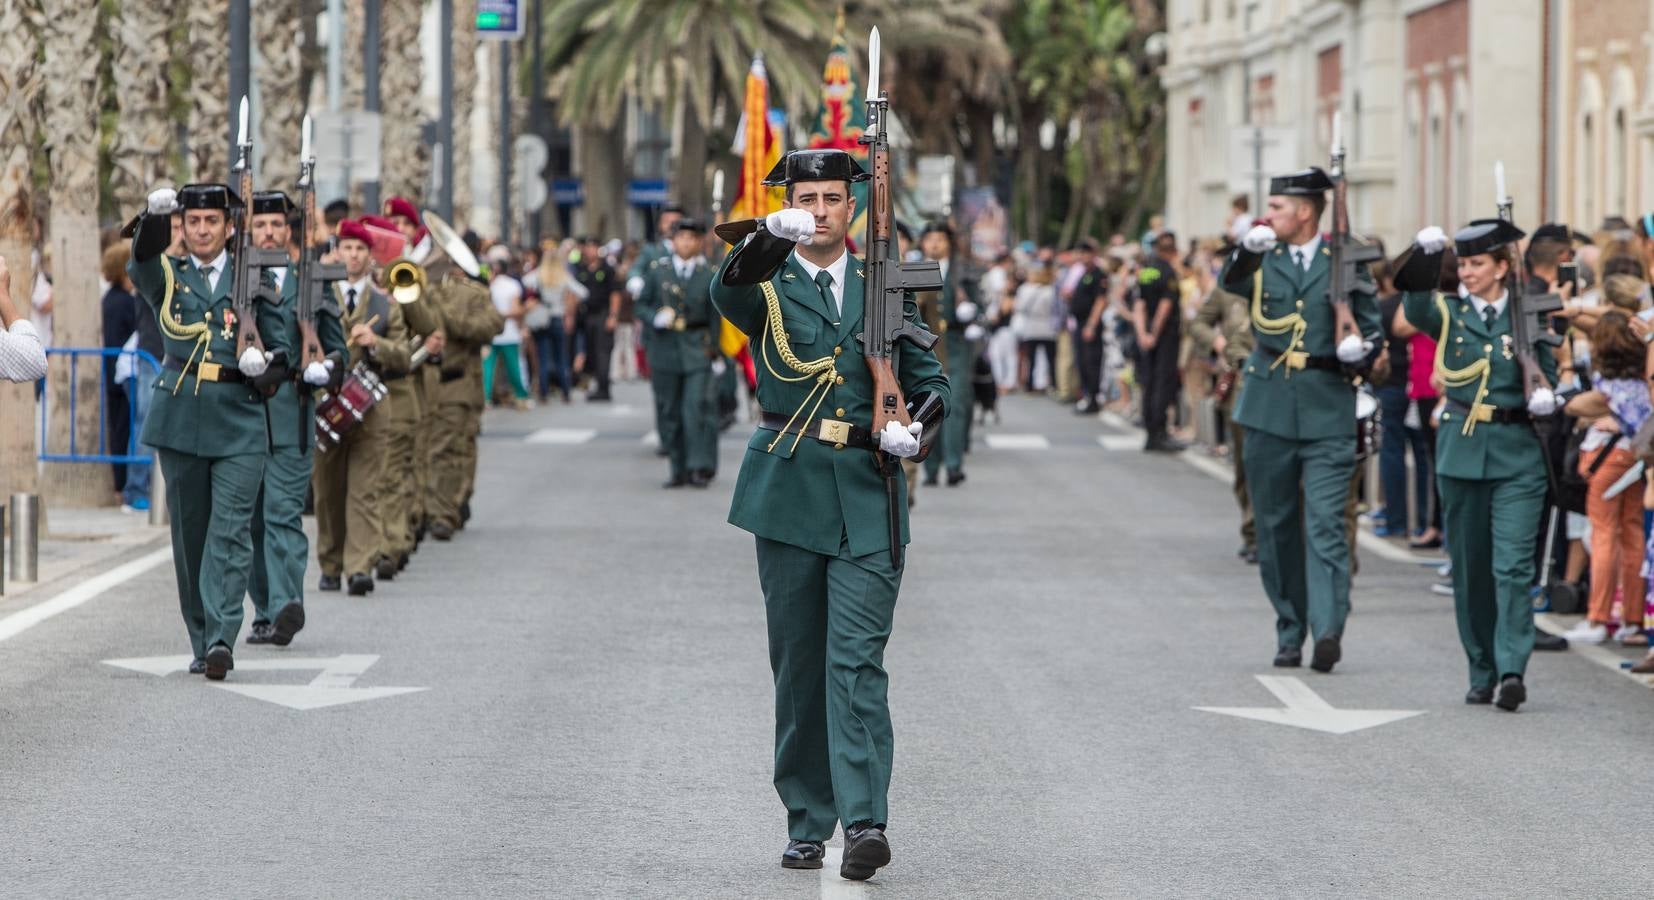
(596, 719)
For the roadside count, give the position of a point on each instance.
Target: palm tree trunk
(139, 147)
(72, 104)
(688, 186)
(602, 159)
(209, 123)
(276, 25)
(465, 81)
(19, 97)
(406, 166)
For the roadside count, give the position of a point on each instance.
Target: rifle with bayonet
(248, 288)
(887, 284)
(1349, 254)
(313, 274)
(1529, 313)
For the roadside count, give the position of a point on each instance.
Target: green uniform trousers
(829, 618)
(688, 425)
(281, 551)
(350, 523)
(211, 501)
(1492, 527)
(956, 427)
(448, 425)
(1237, 452)
(1297, 490)
(397, 485)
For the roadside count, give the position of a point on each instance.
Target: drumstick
(368, 324)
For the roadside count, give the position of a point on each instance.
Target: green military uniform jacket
(1226, 314)
(691, 341)
(956, 350)
(1290, 314)
(469, 321)
(212, 419)
(1466, 351)
(292, 418)
(800, 491)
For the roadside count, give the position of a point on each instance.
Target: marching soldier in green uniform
(1490, 466)
(208, 422)
(281, 551)
(956, 313)
(1297, 405)
(469, 321)
(810, 493)
(1224, 326)
(648, 255)
(676, 309)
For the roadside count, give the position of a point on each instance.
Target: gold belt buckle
(678, 324)
(833, 431)
(1482, 412)
(207, 371)
(1297, 359)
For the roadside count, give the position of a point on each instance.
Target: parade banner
(760, 149)
(842, 116)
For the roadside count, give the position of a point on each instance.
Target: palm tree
(71, 132)
(143, 138)
(276, 24)
(209, 119)
(465, 94)
(407, 163)
(19, 99)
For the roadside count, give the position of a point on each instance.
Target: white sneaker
(1587, 632)
(1443, 588)
(1622, 631)
(1445, 570)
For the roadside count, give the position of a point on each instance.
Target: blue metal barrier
(132, 456)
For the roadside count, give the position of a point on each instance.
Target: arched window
(1412, 185)
(1587, 153)
(1615, 196)
(1435, 157)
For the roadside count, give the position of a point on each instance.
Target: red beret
(352, 230)
(380, 222)
(402, 206)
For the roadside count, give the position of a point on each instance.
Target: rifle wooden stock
(246, 315)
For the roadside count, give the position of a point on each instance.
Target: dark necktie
(824, 281)
(1297, 257)
(1489, 314)
(206, 272)
(350, 300)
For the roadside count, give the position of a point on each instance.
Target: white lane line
(561, 436)
(88, 590)
(1119, 442)
(1602, 656)
(1018, 442)
(832, 886)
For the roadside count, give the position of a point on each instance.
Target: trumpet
(405, 280)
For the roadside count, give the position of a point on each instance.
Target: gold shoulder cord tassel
(1478, 370)
(173, 327)
(822, 370)
(1291, 322)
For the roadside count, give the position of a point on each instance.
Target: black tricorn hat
(688, 224)
(1308, 183)
(816, 165)
(208, 196)
(1484, 236)
(271, 202)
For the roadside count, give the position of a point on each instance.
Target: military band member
(956, 314)
(350, 527)
(676, 309)
(208, 421)
(812, 497)
(281, 551)
(1224, 326)
(1490, 466)
(469, 322)
(1297, 405)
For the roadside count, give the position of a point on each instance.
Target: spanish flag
(758, 140)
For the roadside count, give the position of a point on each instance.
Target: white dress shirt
(217, 267)
(1305, 253)
(360, 286)
(836, 269)
(1498, 305)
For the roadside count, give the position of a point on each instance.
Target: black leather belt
(206, 371)
(1492, 414)
(1324, 363)
(447, 376)
(833, 432)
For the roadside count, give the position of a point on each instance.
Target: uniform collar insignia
(788, 276)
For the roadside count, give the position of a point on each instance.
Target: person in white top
(507, 293)
(22, 356)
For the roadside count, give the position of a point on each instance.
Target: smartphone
(1568, 273)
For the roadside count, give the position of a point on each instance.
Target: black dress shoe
(1327, 653)
(1479, 696)
(1512, 693)
(865, 850)
(676, 481)
(803, 855)
(662, 452)
(699, 480)
(1288, 658)
(218, 662)
(1250, 557)
(464, 513)
(441, 531)
(385, 569)
(260, 633)
(360, 584)
(288, 623)
(198, 666)
(1544, 640)
(402, 561)
(955, 478)
(328, 583)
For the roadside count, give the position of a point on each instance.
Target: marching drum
(340, 411)
(1366, 421)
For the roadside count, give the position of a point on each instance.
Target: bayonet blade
(873, 65)
(242, 133)
(304, 141)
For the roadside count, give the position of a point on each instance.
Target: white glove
(664, 317)
(965, 311)
(317, 373)
(253, 362)
(719, 366)
(790, 224)
(634, 286)
(899, 441)
(1260, 239)
(1353, 349)
(1542, 402)
(162, 201)
(974, 332)
(1431, 240)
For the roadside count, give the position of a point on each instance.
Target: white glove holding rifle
(899, 440)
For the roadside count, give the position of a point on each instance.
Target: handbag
(1573, 486)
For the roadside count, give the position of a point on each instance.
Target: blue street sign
(499, 20)
(646, 192)
(568, 192)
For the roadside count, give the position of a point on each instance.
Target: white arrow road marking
(1303, 708)
(621, 410)
(561, 436)
(834, 887)
(1115, 442)
(332, 687)
(1018, 442)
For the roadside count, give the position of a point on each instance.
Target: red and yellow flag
(758, 140)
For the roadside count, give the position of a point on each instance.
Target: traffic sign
(347, 145)
(499, 20)
(568, 192)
